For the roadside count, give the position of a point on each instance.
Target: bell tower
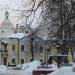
(6, 15)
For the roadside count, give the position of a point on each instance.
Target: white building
(6, 27)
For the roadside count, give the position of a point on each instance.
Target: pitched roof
(16, 36)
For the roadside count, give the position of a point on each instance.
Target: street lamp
(47, 50)
(32, 47)
(47, 55)
(58, 57)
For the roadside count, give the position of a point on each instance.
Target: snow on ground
(3, 69)
(54, 66)
(63, 71)
(28, 68)
(33, 65)
(23, 66)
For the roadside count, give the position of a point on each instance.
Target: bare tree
(55, 17)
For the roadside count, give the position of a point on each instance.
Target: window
(13, 60)
(7, 17)
(13, 47)
(19, 31)
(2, 31)
(49, 49)
(41, 48)
(22, 47)
(22, 61)
(5, 48)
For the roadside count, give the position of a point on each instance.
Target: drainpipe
(45, 51)
(32, 48)
(18, 51)
(1, 52)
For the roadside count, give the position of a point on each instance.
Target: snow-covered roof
(17, 36)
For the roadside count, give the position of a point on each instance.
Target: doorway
(5, 61)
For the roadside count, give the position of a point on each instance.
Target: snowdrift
(3, 69)
(30, 66)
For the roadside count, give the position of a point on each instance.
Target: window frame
(13, 60)
(22, 61)
(22, 48)
(13, 47)
(41, 49)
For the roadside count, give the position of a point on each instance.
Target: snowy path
(16, 72)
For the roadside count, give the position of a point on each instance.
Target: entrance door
(5, 61)
(50, 60)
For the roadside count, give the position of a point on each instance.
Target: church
(6, 27)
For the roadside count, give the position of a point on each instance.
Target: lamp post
(58, 56)
(47, 55)
(32, 47)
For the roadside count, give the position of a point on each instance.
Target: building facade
(16, 49)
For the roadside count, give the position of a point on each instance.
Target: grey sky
(15, 4)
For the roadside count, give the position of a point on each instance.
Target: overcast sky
(10, 5)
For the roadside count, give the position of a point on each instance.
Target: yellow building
(16, 49)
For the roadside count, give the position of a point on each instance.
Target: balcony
(3, 51)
